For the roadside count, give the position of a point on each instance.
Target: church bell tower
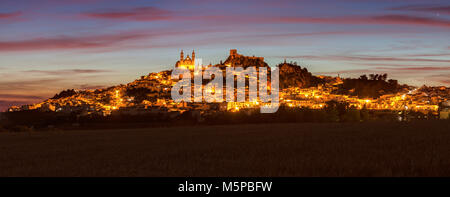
(181, 56)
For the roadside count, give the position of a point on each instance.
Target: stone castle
(234, 54)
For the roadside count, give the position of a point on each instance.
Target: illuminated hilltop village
(298, 89)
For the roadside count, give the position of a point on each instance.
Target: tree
(139, 94)
(352, 115)
(364, 113)
(393, 82)
(363, 77)
(65, 94)
(336, 110)
(332, 115)
(384, 77)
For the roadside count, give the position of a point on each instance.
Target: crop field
(367, 149)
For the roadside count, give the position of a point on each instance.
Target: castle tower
(181, 56)
(193, 55)
(233, 53)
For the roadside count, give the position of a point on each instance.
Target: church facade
(187, 62)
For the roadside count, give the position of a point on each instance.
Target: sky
(50, 45)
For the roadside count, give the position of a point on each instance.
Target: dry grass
(306, 149)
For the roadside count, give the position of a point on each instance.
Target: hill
(373, 87)
(292, 75)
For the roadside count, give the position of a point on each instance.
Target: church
(186, 62)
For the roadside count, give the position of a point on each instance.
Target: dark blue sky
(50, 45)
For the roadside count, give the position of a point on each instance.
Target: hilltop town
(299, 89)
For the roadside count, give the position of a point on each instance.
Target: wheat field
(303, 149)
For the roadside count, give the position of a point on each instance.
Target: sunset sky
(50, 45)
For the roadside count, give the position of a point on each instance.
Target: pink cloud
(369, 58)
(350, 71)
(366, 58)
(89, 86)
(19, 96)
(136, 14)
(9, 15)
(28, 84)
(383, 64)
(429, 55)
(412, 20)
(67, 71)
(154, 14)
(83, 41)
(66, 42)
(4, 105)
(316, 34)
(427, 68)
(424, 8)
(384, 19)
(440, 78)
(445, 81)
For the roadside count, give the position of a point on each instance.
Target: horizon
(52, 45)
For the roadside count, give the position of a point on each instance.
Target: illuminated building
(186, 62)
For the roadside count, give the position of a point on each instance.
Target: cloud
(280, 35)
(412, 20)
(440, 78)
(8, 100)
(4, 105)
(12, 17)
(349, 71)
(90, 87)
(19, 96)
(382, 20)
(9, 15)
(429, 55)
(426, 68)
(444, 81)
(68, 42)
(358, 20)
(384, 64)
(424, 8)
(155, 14)
(85, 41)
(29, 84)
(365, 58)
(327, 33)
(135, 14)
(397, 59)
(67, 71)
